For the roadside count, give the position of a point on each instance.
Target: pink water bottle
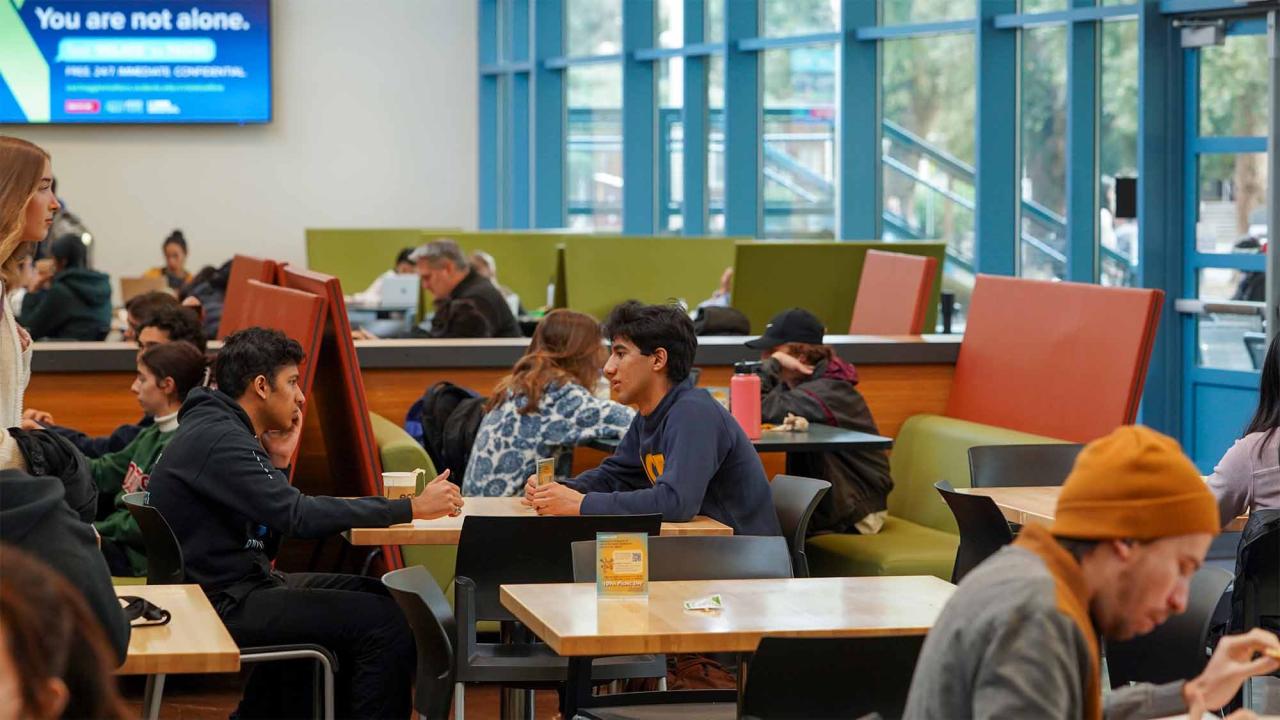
(744, 397)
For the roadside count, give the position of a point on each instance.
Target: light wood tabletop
(193, 641)
(447, 530)
(1026, 505)
(574, 622)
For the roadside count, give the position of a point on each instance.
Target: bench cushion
(900, 548)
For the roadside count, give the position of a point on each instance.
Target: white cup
(397, 485)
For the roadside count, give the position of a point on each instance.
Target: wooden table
(817, 438)
(193, 641)
(447, 530)
(576, 624)
(1026, 505)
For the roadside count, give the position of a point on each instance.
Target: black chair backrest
(706, 557)
(794, 498)
(830, 677)
(1021, 465)
(1255, 599)
(495, 551)
(431, 620)
(1175, 650)
(164, 554)
(983, 529)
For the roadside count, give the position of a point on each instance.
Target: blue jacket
(688, 457)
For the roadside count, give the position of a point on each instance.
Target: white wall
(374, 125)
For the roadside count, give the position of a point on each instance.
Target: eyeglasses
(141, 609)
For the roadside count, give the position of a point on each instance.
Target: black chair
(431, 619)
(795, 678)
(1021, 465)
(795, 499)
(494, 551)
(165, 566)
(706, 557)
(1177, 649)
(983, 529)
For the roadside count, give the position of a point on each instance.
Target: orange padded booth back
(893, 294)
(1064, 360)
(235, 303)
(298, 314)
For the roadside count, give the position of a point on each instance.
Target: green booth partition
(602, 271)
(357, 256)
(821, 277)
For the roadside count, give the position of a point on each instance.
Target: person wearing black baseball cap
(802, 376)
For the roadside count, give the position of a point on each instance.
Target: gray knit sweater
(1002, 649)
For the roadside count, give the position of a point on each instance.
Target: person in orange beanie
(1020, 636)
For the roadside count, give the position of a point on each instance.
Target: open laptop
(400, 292)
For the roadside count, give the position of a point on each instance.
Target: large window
(799, 153)
(1043, 246)
(1117, 151)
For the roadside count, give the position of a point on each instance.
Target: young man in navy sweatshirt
(218, 485)
(684, 454)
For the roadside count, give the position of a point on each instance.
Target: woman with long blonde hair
(544, 406)
(27, 205)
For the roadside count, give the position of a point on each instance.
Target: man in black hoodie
(35, 516)
(218, 485)
(801, 376)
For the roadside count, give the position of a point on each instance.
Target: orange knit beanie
(1134, 484)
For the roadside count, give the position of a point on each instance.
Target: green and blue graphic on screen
(135, 61)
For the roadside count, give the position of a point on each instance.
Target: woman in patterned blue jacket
(544, 406)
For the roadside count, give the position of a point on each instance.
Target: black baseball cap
(794, 325)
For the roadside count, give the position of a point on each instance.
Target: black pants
(353, 617)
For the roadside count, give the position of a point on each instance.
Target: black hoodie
(77, 306)
(215, 485)
(35, 517)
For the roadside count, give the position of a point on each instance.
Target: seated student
(448, 276)
(218, 486)
(169, 323)
(484, 264)
(35, 517)
(545, 404)
(174, 270)
(72, 304)
(372, 295)
(206, 294)
(801, 376)
(166, 373)
(54, 660)
(1248, 475)
(140, 308)
(684, 454)
(1019, 638)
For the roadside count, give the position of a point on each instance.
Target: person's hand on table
(1232, 663)
(193, 302)
(439, 498)
(529, 486)
(556, 499)
(39, 417)
(280, 444)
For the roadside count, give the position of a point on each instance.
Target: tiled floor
(214, 697)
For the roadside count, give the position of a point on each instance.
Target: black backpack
(451, 417)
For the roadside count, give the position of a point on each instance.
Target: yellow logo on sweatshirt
(653, 465)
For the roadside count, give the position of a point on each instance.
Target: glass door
(1225, 186)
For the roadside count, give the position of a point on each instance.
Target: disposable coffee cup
(397, 485)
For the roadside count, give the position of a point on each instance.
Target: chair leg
(459, 696)
(329, 680)
(151, 696)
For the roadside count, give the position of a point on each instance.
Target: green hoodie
(109, 472)
(77, 306)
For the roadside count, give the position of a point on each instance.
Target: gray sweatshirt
(1002, 649)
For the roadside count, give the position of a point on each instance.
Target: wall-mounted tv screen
(135, 61)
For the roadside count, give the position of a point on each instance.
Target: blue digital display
(135, 61)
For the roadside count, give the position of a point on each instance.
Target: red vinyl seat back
(893, 294)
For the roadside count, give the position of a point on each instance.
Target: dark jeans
(353, 617)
